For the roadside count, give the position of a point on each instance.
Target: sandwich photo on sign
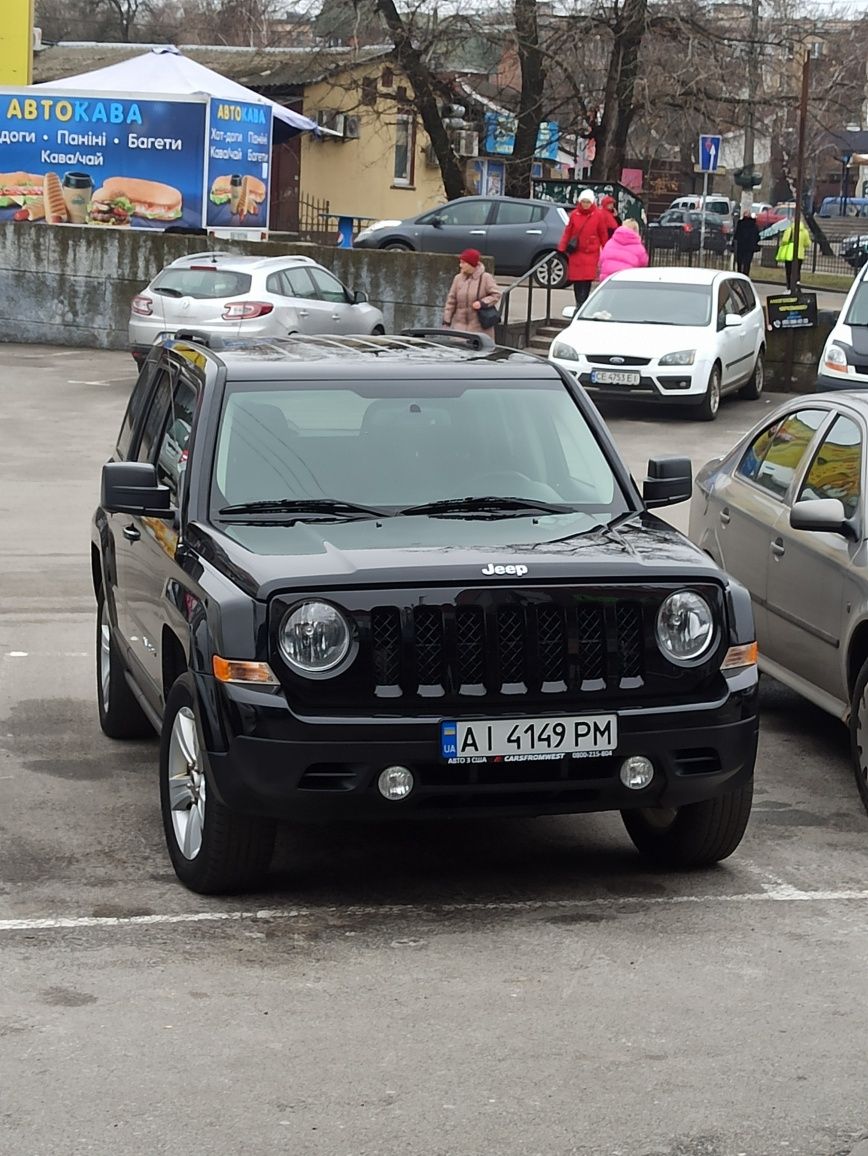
(121, 198)
(244, 194)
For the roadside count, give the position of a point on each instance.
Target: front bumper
(672, 385)
(832, 382)
(264, 760)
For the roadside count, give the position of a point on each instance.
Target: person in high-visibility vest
(785, 249)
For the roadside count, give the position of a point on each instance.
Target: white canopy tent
(165, 71)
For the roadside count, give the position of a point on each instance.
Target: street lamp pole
(845, 164)
(800, 173)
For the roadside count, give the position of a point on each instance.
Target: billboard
(238, 170)
(97, 159)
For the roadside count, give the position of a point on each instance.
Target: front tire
(396, 247)
(695, 835)
(120, 715)
(859, 733)
(754, 388)
(214, 850)
(710, 404)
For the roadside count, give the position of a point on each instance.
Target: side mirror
(360, 297)
(821, 514)
(569, 311)
(131, 488)
(733, 321)
(669, 480)
(437, 222)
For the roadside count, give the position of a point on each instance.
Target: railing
(816, 261)
(313, 221)
(544, 287)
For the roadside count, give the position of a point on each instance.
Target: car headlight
(315, 638)
(564, 352)
(836, 358)
(682, 357)
(685, 626)
(382, 225)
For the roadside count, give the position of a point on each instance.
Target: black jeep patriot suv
(402, 577)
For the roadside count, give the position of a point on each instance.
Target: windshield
(400, 444)
(202, 283)
(857, 314)
(635, 302)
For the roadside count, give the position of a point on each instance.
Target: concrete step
(539, 345)
(550, 331)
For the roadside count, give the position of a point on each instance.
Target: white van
(713, 204)
(844, 363)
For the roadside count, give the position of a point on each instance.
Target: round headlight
(685, 626)
(315, 638)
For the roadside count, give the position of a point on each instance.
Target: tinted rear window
(202, 283)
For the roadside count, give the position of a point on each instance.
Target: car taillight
(144, 306)
(246, 310)
(687, 228)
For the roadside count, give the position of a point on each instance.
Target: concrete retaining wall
(72, 286)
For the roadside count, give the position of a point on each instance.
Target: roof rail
(477, 341)
(212, 253)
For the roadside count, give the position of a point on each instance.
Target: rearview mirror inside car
(822, 514)
(131, 488)
(669, 480)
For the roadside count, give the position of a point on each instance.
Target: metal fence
(815, 262)
(313, 221)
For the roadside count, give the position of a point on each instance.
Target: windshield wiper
(303, 506)
(487, 505)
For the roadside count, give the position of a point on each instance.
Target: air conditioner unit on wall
(352, 125)
(466, 144)
(328, 118)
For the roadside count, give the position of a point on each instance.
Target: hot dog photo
(242, 194)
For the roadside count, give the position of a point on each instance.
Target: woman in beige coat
(472, 286)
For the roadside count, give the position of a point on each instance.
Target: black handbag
(489, 315)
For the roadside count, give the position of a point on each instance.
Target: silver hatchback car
(222, 294)
(785, 513)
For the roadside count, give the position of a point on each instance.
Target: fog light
(636, 772)
(395, 783)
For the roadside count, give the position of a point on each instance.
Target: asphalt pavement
(520, 988)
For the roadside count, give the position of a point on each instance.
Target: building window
(369, 90)
(401, 93)
(387, 77)
(405, 134)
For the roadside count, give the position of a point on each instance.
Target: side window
(468, 213)
(274, 284)
(744, 295)
(727, 302)
(155, 422)
(135, 408)
(328, 287)
(297, 283)
(775, 456)
(172, 456)
(515, 213)
(836, 471)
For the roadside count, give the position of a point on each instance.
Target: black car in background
(854, 250)
(408, 577)
(517, 233)
(681, 229)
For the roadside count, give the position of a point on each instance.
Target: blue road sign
(709, 153)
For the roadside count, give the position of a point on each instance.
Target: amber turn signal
(230, 670)
(740, 656)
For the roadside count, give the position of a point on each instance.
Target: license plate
(614, 377)
(161, 337)
(579, 735)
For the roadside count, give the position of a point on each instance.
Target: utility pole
(800, 172)
(753, 76)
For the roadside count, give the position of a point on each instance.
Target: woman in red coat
(584, 236)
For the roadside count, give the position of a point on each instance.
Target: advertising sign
(239, 155)
(499, 134)
(547, 140)
(116, 162)
(792, 311)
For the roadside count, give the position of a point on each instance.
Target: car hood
(617, 338)
(423, 551)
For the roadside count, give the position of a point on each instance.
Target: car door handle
(303, 313)
(778, 548)
(131, 533)
(336, 317)
(725, 516)
(534, 232)
(477, 232)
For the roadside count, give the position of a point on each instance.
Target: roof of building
(257, 68)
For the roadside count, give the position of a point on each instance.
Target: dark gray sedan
(785, 513)
(516, 233)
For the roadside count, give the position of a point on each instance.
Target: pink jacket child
(623, 250)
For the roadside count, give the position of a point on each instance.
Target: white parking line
(774, 894)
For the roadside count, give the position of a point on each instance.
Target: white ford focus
(684, 336)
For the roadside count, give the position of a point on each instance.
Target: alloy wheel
(861, 721)
(186, 784)
(105, 656)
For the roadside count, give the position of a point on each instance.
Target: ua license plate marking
(582, 736)
(613, 377)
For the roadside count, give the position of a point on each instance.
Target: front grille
(507, 649)
(616, 359)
